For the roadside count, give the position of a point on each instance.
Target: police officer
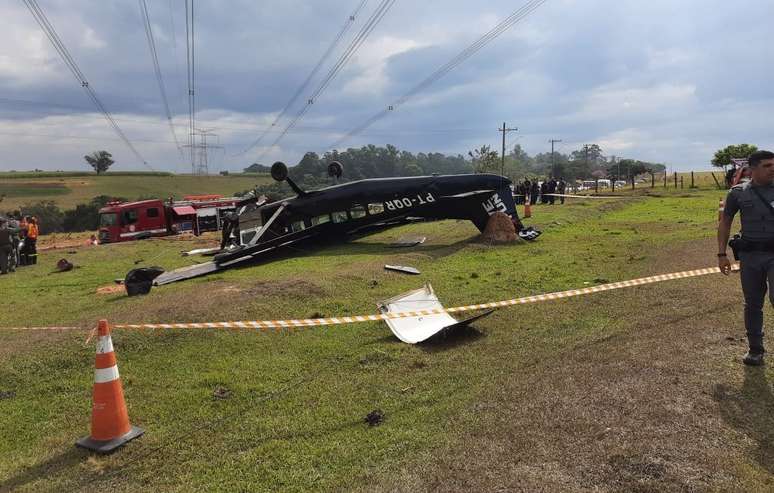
(753, 200)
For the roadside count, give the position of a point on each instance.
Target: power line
(471, 50)
(347, 24)
(376, 17)
(191, 63)
(174, 50)
(59, 46)
(157, 69)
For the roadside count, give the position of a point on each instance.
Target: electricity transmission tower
(200, 164)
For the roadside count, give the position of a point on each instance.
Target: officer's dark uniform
(757, 257)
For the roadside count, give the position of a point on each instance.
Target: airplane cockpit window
(357, 211)
(376, 208)
(339, 216)
(325, 218)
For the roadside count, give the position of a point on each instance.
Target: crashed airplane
(355, 209)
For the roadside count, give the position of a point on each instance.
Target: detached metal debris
(403, 268)
(409, 241)
(412, 330)
(201, 251)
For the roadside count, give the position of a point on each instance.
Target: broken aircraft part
(409, 241)
(412, 330)
(200, 251)
(402, 268)
(529, 233)
(139, 281)
(355, 209)
(64, 265)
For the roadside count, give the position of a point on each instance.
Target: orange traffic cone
(110, 426)
(527, 206)
(721, 206)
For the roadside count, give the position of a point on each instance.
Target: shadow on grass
(46, 469)
(452, 338)
(749, 410)
(331, 248)
(442, 341)
(434, 251)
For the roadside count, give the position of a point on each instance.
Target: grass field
(70, 189)
(526, 400)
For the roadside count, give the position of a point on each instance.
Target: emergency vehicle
(125, 221)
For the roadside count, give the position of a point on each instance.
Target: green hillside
(69, 189)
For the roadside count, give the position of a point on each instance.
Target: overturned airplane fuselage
(354, 209)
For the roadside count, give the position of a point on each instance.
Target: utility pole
(586, 154)
(553, 164)
(201, 149)
(504, 130)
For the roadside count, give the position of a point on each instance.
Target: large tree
(485, 160)
(99, 160)
(724, 156)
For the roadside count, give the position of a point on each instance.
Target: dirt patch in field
(57, 241)
(662, 405)
(212, 301)
(282, 288)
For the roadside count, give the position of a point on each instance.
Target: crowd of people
(545, 191)
(18, 242)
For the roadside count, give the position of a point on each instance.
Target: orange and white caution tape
(316, 322)
(43, 328)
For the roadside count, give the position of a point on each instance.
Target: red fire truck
(125, 221)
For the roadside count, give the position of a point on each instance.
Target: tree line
(377, 162)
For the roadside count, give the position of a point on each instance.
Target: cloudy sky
(658, 80)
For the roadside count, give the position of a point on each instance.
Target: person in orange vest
(30, 244)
